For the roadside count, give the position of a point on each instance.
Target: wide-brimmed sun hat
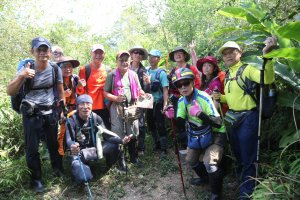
(179, 48)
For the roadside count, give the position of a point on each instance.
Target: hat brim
(187, 55)
(40, 44)
(201, 62)
(74, 63)
(145, 56)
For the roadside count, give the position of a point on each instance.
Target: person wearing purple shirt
(210, 79)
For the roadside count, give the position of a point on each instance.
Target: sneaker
(120, 170)
(199, 181)
(37, 186)
(163, 154)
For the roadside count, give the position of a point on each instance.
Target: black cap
(39, 41)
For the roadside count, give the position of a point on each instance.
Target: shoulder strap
(246, 86)
(158, 73)
(54, 78)
(87, 75)
(87, 72)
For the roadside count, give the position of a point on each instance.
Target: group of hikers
(95, 114)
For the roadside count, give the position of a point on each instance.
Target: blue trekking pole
(65, 112)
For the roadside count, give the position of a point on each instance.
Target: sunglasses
(138, 52)
(57, 53)
(183, 83)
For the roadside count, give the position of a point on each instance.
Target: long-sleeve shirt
(82, 130)
(235, 96)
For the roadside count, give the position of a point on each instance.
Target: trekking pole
(262, 75)
(66, 115)
(222, 117)
(178, 158)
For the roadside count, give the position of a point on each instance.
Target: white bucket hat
(229, 44)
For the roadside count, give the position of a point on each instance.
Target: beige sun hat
(139, 48)
(74, 63)
(229, 44)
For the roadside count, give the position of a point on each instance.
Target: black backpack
(156, 84)
(253, 89)
(16, 100)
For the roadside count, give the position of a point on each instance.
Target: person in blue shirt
(159, 84)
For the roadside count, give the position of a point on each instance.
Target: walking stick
(222, 117)
(262, 75)
(65, 112)
(177, 153)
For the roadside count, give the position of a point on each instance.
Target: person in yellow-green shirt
(205, 131)
(244, 134)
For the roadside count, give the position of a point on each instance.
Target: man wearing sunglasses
(197, 114)
(137, 54)
(57, 54)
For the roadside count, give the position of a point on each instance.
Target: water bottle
(272, 92)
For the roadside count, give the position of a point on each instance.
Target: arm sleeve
(254, 74)
(210, 120)
(112, 139)
(197, 80)
(164, 79)
(180, 124)
(70, 129)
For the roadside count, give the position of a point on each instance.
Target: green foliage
(12, 175)
(11, 134)
(290, 30)
(171, 23)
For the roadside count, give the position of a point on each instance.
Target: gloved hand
(195, 109)
(169, 112)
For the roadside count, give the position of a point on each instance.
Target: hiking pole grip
(218, 91)
(63, 107)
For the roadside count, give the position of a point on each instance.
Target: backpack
(155, 84)
(88, 73)
(16, 100)
(253, 89)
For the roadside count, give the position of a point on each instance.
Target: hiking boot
(163, 154)
(156, 147)
(137, 163)
(199, 181)
(120, 170)
(37, 186)
(214, 197)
